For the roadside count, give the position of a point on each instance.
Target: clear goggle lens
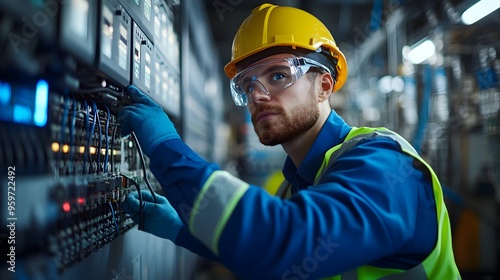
(270, 77)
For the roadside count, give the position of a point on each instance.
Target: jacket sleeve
(364, 209)
(186, 240)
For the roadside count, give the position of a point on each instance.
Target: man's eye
(278, 76)
(248, 86)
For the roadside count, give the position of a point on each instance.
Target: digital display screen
(107, 32)
(147, 71)
(137, 59)
(147, 9)
(24, 104)
(78, 15)
(122, 48)
(157, 24)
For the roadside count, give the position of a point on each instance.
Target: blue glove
(160, 218)
(150, 124)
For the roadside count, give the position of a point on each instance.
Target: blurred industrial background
(427, 69)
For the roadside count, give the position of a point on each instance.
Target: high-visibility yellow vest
(440, 263)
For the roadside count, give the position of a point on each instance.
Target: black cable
(112, 148)
(90, 85)
(118, 217)
(143, 163)
(107, 141)
(97, 90)
(132, 155)
(141, 205)
(81, 118)
(94, 109)
(99, 143)
(117, 209)
(72, 146)
(87, 136)
(63, 127)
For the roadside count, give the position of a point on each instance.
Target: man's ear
(326, 88)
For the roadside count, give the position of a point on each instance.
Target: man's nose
(259, 92)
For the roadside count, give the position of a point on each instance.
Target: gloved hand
(150, 124)
(160, 218)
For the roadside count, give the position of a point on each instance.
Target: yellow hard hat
(271, 26)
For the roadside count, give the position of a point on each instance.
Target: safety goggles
(270, 77)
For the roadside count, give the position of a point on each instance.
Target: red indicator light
(81, 200)
(66, 206)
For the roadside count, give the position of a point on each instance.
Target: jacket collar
(331, 134)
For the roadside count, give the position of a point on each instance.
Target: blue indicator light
(41, 103)
(22, 114)
(5, 93)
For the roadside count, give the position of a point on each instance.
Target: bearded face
(275, 124)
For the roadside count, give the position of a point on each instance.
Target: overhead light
(384, 84)
(421, 52)
(397, 84)
(479, 10)
(388, 84)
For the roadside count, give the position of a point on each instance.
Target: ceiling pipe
(373, 42)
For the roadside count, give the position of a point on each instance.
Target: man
(357, 203)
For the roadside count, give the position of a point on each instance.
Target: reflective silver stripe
(347, 145)
(416, 273)
(213, 207)
(405, 146)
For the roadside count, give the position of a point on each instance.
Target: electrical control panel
(115, 34)
(66, 167)
(77, 36)
(143, 50)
